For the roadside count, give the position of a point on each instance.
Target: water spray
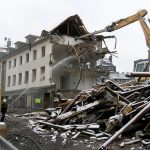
(51, 69)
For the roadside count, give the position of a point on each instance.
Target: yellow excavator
(139, 16)
(136, 17)
(146, 31)
(119, 23)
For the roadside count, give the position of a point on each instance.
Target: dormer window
(30, 38)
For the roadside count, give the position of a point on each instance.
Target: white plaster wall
(32, 64)
(40, 62)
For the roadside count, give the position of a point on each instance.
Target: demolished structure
(97, 113)
(68, 55)
(107, 110)
(54, 61)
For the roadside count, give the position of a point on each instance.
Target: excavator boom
(146, 31)
(119, 24)
(126, 21)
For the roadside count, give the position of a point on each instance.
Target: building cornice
(22, 49)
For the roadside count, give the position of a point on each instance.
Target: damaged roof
(72, 26)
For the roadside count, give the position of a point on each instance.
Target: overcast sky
(19, 18)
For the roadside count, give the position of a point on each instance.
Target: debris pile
(104, 112)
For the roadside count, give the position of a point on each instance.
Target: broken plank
(70, 114)
(52, 125)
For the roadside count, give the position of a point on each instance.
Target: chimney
(8, 42)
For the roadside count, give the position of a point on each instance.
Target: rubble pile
(102, 113)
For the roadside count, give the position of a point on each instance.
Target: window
(43, 51)
(26, 77)
(14, 80)
(9, 65)
(27, 57)
(14, 62)
(33, 75)
(42, 77)
(20, 60)
(34, 55)
(20, 79)
(140, 67)
(146, 67)
(9, 80)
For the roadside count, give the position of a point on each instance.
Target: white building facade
(29, 74)
(54, 57)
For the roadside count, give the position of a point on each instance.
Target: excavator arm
(146, 31)
(136, 17)
(118, 24)
(126, 21)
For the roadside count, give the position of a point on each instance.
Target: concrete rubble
(103, 113)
